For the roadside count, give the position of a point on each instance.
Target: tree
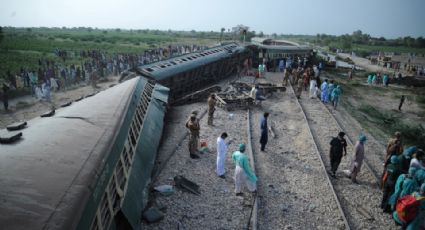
(1, 34)
(420, 42)
(261, 34)
(346, 41)
(118, 30)
(221, 34)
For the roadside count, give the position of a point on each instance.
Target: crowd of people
(403, 180)
(403, 184)
(308, 79)
(244, 175)
(94, 65)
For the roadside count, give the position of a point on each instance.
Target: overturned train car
(86, 167)
(191, 72)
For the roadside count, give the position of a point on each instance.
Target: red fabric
(407, 207)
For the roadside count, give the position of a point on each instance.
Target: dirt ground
(292, 188)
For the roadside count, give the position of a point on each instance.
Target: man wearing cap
(338, 145)
(211, 108)
(243, 171)
(357, 160)
(193, 125)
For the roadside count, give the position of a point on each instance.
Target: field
(376, 107)
(23, 47)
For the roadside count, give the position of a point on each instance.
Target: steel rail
(253, 217)
(337, 199)
(377, 177)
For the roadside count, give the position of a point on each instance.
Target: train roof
(286, 49)
(56, 162)
(170, 67)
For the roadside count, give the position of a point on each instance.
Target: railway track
(359, 203)
(253, 218)
(293, 191)
(373, 161)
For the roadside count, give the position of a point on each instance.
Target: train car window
(105, 214)
(113, 194)
(163, 66)
(184, 59)
(189, 58)
(149, 69)
(173, 63)
(95, 224)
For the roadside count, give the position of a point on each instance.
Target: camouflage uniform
(211, 109)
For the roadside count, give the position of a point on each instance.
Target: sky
(387, 18)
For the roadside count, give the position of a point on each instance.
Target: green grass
(397, 49)
(377, 121)
(22, 47)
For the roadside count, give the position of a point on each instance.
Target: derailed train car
(191, 72)
(88, 166)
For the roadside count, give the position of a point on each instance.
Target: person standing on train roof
(243, 172)
(338, 147)
(264, 131)
(221, 154)
(193, 126)
(357, 160)
(211, 108)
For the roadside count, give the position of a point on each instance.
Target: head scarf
(409, 152)
(420, 175)
(362, 138)
(242, 147)
(412, 171)
(394, 160)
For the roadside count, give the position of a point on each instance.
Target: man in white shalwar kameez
(221, 155)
